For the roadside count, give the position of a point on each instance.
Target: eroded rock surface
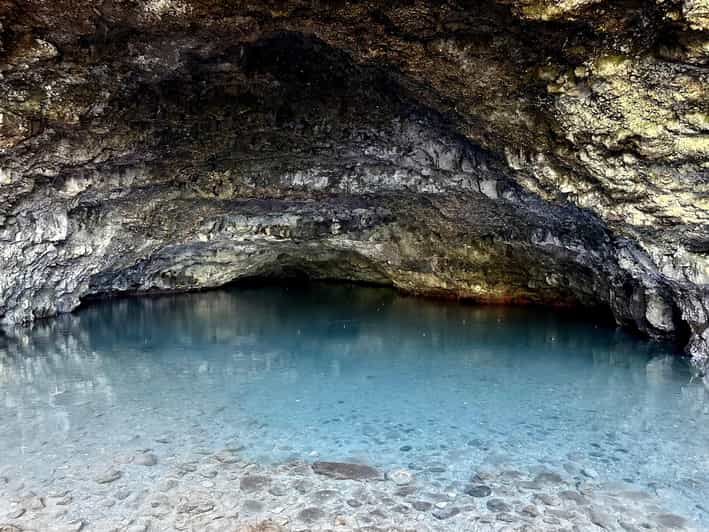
(518, 150)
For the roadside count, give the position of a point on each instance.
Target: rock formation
(544, 151)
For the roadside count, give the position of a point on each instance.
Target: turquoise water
(329, 372)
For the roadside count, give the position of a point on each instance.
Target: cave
(548, 154)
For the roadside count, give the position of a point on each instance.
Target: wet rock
(346, 471)
(253, 483)
(108, 476)
(400, 477)
(311, 515)
(497, 505)
(478, 490)
(445, 513)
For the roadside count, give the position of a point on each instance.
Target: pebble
(311, 515)
(252, 507)
(480, 490)
(589, 472)
(253, 483)
(547, 500)
(226, 456)
(506, 517)
(574, 496)
(498, 505)
(37, 503)
(421, 506)
(17, 513)
(531, 511)
(322, 496)
(445, 513)
(277, 491)
(145, 459)
(672, 521)
(602, 519)
(400, 477)
(109, 476)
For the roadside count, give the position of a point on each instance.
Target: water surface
(327, 372)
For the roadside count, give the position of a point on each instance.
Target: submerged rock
(346, 471)
(400, 477)
(109, 476)
(479, 490)
(145, 459)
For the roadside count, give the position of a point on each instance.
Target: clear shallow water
(350, 373)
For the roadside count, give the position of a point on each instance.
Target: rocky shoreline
(224, 491)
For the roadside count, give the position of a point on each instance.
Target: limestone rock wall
(513, 150)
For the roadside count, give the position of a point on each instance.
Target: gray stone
(226, 456)
(277, 491)
(108, 476)
(16, 513)
(346, 471)
(479, 490)
(145, 459)
(311, 515)
(589, 472)
(253, 483)
(531, 511)
(400, 477)
(421, 506)
(672, 521)
(600, 518)
(445, 513)
(252, 507)
(574, 496)
(497, 505)
(322, 496)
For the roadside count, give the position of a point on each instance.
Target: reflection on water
(341, 372)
